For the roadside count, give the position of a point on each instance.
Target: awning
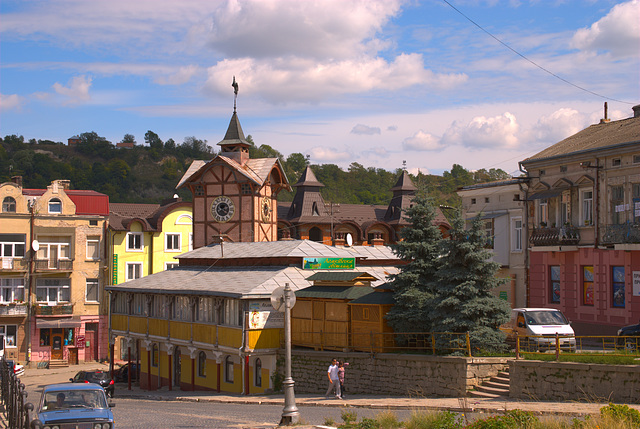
(58, 323)
(549, 193)
(489, 216)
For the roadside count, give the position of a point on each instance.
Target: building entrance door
(56, 344)
(177, 367)
(91, 342)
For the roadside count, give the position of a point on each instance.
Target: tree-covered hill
(149, 173)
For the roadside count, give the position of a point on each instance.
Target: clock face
(266, 209)
(223, 209)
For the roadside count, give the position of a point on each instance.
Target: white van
(537, 329)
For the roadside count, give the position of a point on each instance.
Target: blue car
(73, 405)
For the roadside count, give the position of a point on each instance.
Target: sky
(418, 83)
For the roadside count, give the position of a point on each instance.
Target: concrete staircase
(496, 388)
(58, 363)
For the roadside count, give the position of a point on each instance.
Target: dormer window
(9, 205)
(55, 205)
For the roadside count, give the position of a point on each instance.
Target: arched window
(202, 364)
(9, 205)
(258, 372)
(315, 234)
(154, 355)
(228, 369)
(55, 205)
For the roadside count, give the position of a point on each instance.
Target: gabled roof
(268, 249)
(150, 215)
(87, 202)
(253, 282)
(595, 137)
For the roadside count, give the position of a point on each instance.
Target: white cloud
(11, 102)
(179, 77)
(557, 126)
(481, 132)
(422, 141)
(298, 79)
(321, 154)
(617, 32)
(76, 91)
(366, 130)
(320, 29)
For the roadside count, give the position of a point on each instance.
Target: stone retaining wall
(561, 381)
(394, 374)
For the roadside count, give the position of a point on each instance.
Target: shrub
(511, 419)
(441, 420)
(387, 420)
(348, 416)
(621, 413)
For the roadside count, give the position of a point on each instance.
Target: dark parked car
(631, 337)
(101, 378)
(122, 373)
(73, 405)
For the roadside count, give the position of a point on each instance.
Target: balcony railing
(14, 264)
(13, 309)
(57, 265)
(54, 310)
(623, 233)
(566, 235)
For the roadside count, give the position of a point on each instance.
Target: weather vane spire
(235, 92)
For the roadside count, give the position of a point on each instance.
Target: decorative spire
(235, 92)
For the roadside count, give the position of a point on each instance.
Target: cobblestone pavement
(35, 378)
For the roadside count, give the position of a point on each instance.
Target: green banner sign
(115, 270)
(328, 263)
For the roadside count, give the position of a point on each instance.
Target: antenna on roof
(235, 92)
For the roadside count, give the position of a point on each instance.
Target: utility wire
(533, 62)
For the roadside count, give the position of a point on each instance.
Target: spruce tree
(413, 285)
(463, 300)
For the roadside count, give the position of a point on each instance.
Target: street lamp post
(290, 414)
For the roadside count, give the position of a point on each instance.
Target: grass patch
(584, 358)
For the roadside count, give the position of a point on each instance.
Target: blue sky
(373, 82)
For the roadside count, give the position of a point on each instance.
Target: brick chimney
(17, 180)
(606, 114)
(636, 111)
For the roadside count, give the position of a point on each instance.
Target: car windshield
(58, 400)
(545, 318)
(97, 377)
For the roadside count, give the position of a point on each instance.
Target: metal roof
(334, 292)
(341, 276)
(254, 282)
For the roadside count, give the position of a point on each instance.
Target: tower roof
(308, 179)
(404, 183)
(234, 135)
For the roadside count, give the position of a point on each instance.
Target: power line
(533, 62)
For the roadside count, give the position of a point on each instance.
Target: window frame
(257, 372)
(555, 284)
(228, 369)
(93, 241)
(4, 331)
(12, 286)
(516, 238)
(618, 286)
(95, 282)
(588, 283)
(136, 247)
(63, 285)
(202, 364)
(154, 355)
(9, 203)
(14, 245)
(586, 216)
(172, 242)
(56, 203)
(131, 264)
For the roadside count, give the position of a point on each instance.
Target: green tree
(465, 279)
(153, 140)
(413, 287)
(128, 138)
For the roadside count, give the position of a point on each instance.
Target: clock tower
(233, 195)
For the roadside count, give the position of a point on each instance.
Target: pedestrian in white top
(332, 373)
